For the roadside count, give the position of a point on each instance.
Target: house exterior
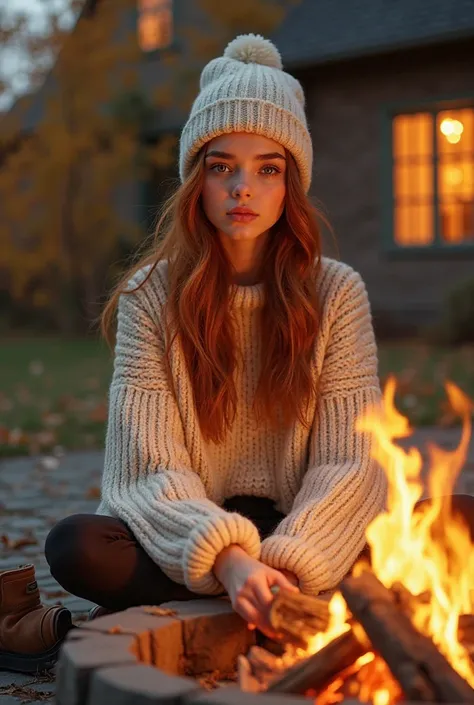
(390, 104)
(390, 92)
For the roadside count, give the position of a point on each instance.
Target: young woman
(243, 359)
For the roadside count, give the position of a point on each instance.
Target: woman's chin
(241, 231)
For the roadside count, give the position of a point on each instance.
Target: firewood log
(317, 671)
(263, 660)
(422, 671)
(296, 617)
(265, 667)
(246, 679)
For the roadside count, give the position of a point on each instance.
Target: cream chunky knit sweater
(168, 484)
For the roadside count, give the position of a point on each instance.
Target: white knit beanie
(246, 90)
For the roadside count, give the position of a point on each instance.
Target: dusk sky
(11, 61)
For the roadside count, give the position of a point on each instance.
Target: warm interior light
(453, 175)
(452, 130)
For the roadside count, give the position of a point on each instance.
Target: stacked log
(379, 622)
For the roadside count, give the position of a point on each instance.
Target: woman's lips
(242, 217)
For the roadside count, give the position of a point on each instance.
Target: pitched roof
(317, 31)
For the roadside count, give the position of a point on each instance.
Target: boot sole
(33, 663)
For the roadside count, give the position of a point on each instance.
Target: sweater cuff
(207, 540)
(298, 556)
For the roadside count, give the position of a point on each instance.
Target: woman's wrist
(225, 559)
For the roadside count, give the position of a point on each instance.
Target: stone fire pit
(139, 658)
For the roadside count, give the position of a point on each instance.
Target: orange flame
(429, 551)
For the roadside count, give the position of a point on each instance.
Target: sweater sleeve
(148, 480)
(343, 488)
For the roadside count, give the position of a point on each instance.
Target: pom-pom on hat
(246, 90)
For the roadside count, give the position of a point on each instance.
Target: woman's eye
(220, 168)
(215, 167)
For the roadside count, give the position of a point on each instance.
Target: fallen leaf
(28, 540)
(25, 541)
(28, 695)
(211, 681)
(17, 436)
(93, 492)
(99, 413)
(120, 630)
(159, 611)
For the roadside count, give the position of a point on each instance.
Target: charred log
(422, 671)
(317, 671)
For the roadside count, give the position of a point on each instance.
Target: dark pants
(98, 558)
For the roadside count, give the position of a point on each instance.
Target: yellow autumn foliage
(65, 180)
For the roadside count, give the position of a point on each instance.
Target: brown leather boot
(30, 633)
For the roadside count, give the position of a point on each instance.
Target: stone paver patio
(37, 492)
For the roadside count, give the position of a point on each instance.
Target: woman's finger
(283, 582)
(263, 596)
(247, 610)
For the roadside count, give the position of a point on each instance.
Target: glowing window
(433, 178)
(155, 24)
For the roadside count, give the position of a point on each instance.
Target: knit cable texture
(168, 484)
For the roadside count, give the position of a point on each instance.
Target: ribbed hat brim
(247, 115)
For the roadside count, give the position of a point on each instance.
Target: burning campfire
(401, 628)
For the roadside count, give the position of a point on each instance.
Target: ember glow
(430, 553)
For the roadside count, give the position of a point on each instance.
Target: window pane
(454, 131)
(450, 217)
(414, 225)
(413, 182)
(401, 180)
(413, 171)
(456, 192)
(423, 174)
(412, 136)
(155, 24)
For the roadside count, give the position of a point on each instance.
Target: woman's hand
(248, 583)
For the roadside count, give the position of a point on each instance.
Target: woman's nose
(241, 190)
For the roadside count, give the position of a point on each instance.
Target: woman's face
(243, 170)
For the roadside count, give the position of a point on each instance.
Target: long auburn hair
(199, 279)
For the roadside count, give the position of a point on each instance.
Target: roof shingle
(316, 31)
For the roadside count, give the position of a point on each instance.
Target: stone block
(232, 695)
(80, 657)
(160, 639)
(77, 632)
(206, 624)
(206, 605)
(138, 685)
